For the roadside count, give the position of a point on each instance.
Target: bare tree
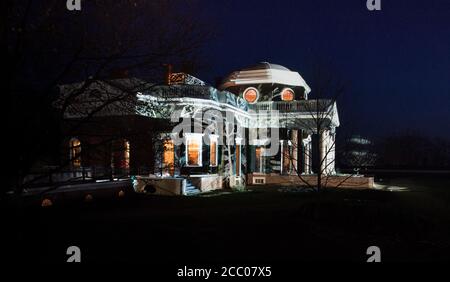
(317, 118)
(49, 46)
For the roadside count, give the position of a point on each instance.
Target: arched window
(120, 154)
(75, 152)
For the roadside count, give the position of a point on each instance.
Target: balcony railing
(177, 91)
(304, 106)
(293, 106)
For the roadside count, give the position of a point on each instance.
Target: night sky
(396, 62)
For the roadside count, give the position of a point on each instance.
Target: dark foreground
(264, 225)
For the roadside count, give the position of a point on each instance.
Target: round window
(287, 94)
(251, 95)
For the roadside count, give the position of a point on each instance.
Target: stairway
(190, 189)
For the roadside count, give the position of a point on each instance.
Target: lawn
(261, 225)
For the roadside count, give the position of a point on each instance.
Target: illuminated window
(213, 152)
(194, 149)
(238, 160)
(75, 152)
(120, 154)
(259, 159)
(251, 95)
(287, 94)
(127, 154)
(169, 157)
(286, 155)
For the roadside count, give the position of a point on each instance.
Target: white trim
(260, 142)
(214, 137)
(203, 175)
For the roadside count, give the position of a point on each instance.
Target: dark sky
(397, 61)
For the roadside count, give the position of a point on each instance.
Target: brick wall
(329, 181)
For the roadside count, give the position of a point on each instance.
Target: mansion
(183, 137)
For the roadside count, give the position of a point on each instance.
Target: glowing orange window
(169, 156)
(251, 95)
(213, 153)
(75, 153)
(193, 152)
(238, 160)
(287, 94)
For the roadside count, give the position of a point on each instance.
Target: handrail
(292, 106)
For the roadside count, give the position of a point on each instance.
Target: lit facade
(187, 137)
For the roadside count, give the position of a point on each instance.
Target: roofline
(265, 76)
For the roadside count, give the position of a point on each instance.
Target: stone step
(191, 189)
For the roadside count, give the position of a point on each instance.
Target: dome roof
(266, 65)
(265, 73)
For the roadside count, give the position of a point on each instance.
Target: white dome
(266, 65)
(265, 73)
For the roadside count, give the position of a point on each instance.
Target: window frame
(198, 137)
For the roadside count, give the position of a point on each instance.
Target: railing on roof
(293, 106)
(190, 91)
(304, 106)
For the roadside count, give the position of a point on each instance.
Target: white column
(307, 155)
(327, 153)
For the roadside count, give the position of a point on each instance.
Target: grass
(261, 225)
